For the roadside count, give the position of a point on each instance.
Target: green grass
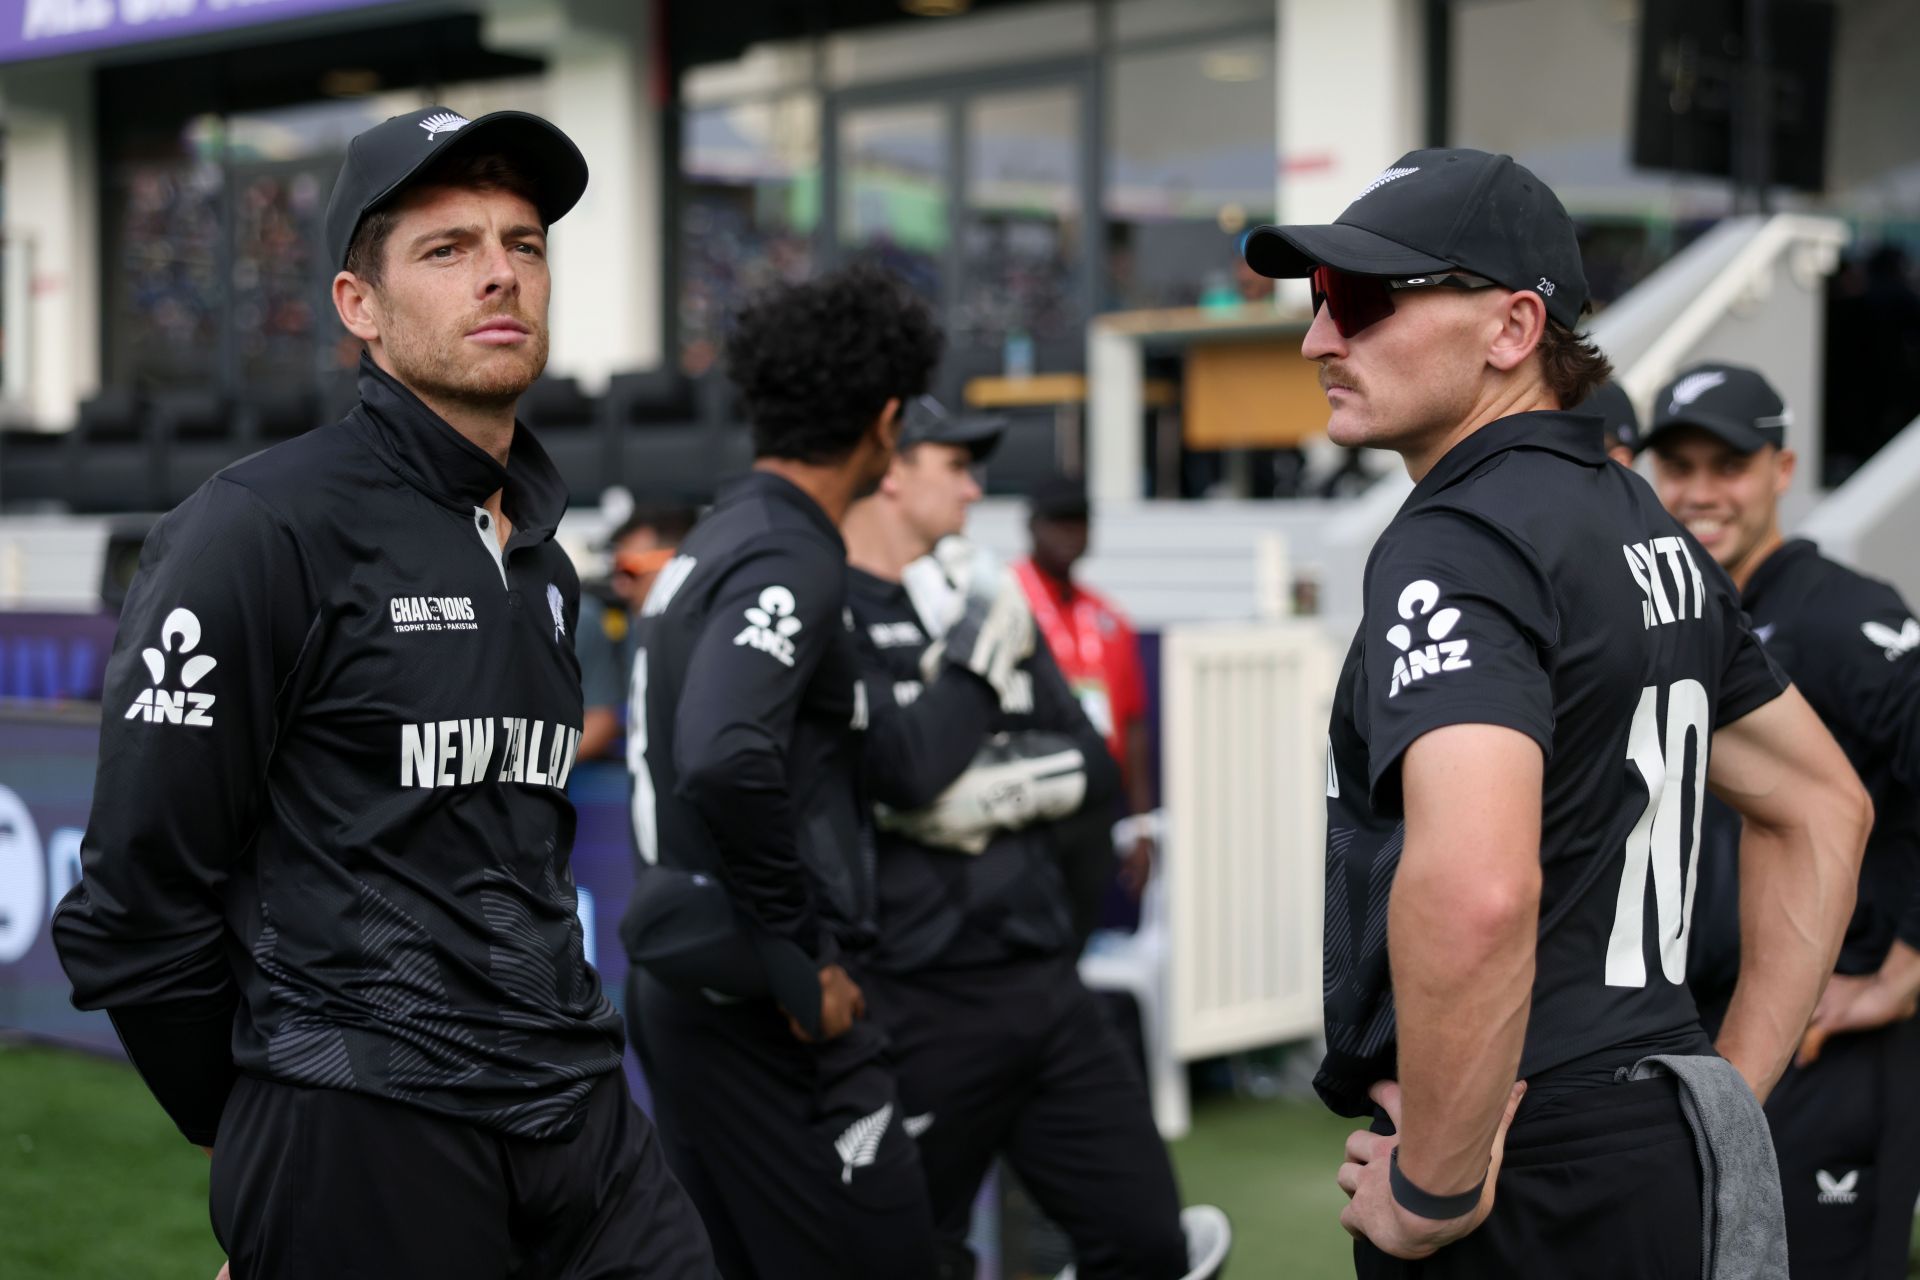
(1270, 1165)
(95, 1181)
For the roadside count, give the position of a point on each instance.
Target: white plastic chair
(1136, 963)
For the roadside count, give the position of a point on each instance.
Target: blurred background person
(1097, 650)
(636, 551)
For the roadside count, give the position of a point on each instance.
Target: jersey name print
(1485, 604)
(1669, 579)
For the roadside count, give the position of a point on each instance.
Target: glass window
(750, 203)
(929, 46)
(1192, 134)
(1022, 226)
(895, 182)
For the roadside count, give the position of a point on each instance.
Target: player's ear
(1783, 467)
(358, 305)
(887, 426)
(1523, 322)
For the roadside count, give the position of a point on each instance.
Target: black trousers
(1847, 1132)
(1597, 1185)
(795, 1154)
(1019, 1060)
(321, 1184)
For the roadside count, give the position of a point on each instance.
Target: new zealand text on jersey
(1689, 598)
(460, 753)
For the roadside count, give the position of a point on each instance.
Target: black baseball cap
(926, 421)
(1615, 410)
(1060, 498)
(384, 159)
(1436, 209)
(1730, 402)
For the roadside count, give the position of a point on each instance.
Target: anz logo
(159, 705)
(1440, 652)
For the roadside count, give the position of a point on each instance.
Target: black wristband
(1425, 1204)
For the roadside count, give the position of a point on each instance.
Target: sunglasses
(1355, 302)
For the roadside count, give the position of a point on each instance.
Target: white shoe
(1209, 1240)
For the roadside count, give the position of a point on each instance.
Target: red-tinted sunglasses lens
(1353, 302)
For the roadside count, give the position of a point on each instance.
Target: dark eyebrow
(522, 231)
(422, 240)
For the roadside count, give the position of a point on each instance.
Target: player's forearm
(1797, 886)
(915, 752)
(744, 801)
(1900, 972)
(1463, 960)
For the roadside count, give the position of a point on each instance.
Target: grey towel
(1743, 1226)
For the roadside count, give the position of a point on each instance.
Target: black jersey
(747, 713)
(1530, 583)
(338, 722)
(1031, 892)
(1849, 642)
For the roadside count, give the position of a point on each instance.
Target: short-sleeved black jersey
(746, 714)
(1028, 892)
(1528, 582)
(337, 730)
(1850, 643)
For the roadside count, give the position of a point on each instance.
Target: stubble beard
(444, 370)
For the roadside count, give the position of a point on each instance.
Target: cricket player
(996, 796)
(1519, 748)
(754, 902)
(326, 893)
(1846, 1116)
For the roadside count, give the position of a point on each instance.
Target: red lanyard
(1081, 638)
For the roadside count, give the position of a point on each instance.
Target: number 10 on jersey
(1655, 841)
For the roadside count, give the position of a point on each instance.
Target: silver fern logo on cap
(442, 122)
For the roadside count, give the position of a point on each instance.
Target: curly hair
(816, 362)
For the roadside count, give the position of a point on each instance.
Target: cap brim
(981, 437)
(544, 155)
(1740, 436)
(1287, 253)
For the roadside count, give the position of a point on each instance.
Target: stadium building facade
(1030, 164)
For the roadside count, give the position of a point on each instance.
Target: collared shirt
(1096, 649)
(1852, 646)
(337, 725)
(1528, 583)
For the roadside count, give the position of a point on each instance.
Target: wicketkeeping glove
(1016, 779)
(992, 631)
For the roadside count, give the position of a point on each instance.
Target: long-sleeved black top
(329, 843)
(747, 712)
(1033, 891)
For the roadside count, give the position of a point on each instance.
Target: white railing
(1244, 726)
(1872, 522)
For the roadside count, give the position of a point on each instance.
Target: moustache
(1334, 375)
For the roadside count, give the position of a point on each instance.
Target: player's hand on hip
(1853, 1002)
(840, 1003)
(1375, 1216)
